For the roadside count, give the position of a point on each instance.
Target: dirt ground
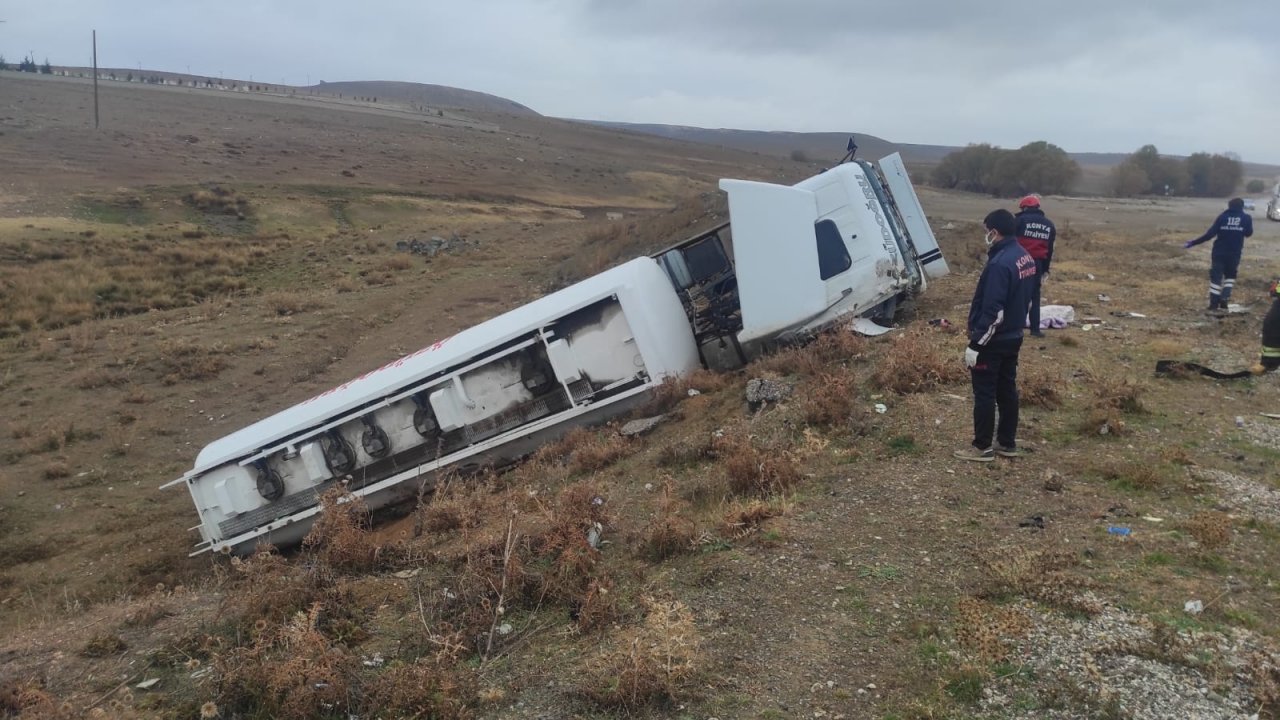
(146, 313)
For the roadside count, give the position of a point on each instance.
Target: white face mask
(989, 237)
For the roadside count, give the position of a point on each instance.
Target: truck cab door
(775, 256)
(912, 213)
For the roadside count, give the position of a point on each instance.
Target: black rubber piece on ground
(1171, 367)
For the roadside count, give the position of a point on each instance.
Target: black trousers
(1034, 312)
(995, 386)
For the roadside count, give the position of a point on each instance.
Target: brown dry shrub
(583, 450)
(56, 470)
(831, 401)
(102, 645)
(534, 560)
(454, 506)
(987, 630)
(1039, 386)
(1264, 673)
(395, 263)
(742, 519)
(188, 360)
(341, 537)
(150, 610)
(1139, 475)
(574, 571)
(486, 583)
(669, 531)
(267, 590)
(28, 700)
(95, 378)
(1103, 421)
(1210, 528)
(1038, 574)
(293, 671)
(290, 302)
(835, 347)
(655, 661)
(686, 452)
(218, 200)
(1114, 391)
(436, 687)
(915, 362)
(753, 470)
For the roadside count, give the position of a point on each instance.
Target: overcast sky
(1089, 75)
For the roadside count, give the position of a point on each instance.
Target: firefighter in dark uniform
(996, 318)
(1036, 234)
(1228, 232)
(1270, 359)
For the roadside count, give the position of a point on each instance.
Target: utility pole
(95, 79)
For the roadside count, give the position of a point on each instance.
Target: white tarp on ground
(1055, 316)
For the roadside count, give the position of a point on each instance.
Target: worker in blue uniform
(1228, 233)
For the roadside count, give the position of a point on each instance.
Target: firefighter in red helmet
(1036, 234)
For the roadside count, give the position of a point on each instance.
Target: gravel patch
(1125, 667)
(1243, 495)
(1265, 433)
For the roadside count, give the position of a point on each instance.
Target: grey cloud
(1100, 75)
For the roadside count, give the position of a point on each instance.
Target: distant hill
(829, 146)
(817, 146)
(436, 96)
(825, 146)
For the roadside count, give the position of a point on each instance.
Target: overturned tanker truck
(848, 243)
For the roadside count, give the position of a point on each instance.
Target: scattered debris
(642, 426)
(1053, 481)
(864, 326)
(593, 535)
(768, 390)
(694, 392)
(1118, 530)
(1056, 317)
(1273, 416)
(1178, 367)
(1104, 298)
(882, 408)
(435, 245)
(406, 574)
(505, 629)
(1194, 607)
(940, 322)
(375, 661)
(1090, 276)
(1035, 522)
(148, 684)
(1128, 314)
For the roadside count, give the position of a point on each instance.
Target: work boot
(973, 454)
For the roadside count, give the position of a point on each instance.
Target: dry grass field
(205, 260)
